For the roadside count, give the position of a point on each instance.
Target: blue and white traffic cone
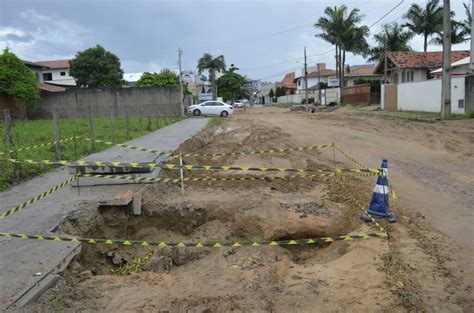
(379, 205)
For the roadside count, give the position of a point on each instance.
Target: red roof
(361, 70)
(288, 81)
(50, 88)
(57, 64)
(422, 60)
(324, 73)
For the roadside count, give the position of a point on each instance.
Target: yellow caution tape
(268, 151)
(129, 242)
(168, 166)
(37, 198)
(43, 145)
(196, 179)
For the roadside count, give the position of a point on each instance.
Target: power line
(333, 49)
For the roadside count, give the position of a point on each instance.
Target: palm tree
(425, 21)
(393, 37)
(465, 25)
(458, 35)
(212, 65)
(340, 29)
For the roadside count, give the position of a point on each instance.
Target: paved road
(29, 263)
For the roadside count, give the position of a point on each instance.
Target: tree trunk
(343, 67)
(337, 61)
(213, 84)
(425, 43)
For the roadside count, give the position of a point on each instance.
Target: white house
(458, 68)
(314, 77)
(411, 66)
(56, 73)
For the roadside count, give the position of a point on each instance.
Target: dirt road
(425, 266)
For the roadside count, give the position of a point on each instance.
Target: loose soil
(421, 267)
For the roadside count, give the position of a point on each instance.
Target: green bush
(17, 81)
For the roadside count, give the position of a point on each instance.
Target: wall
(156, 101)
(330, 95)
(426, 95)
(358, 94)
(17, 108)
(297, 98)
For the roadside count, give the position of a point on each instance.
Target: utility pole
(319, 84)
(183, 113)
(180, 53)
(305, 80)
(446, 81)
(385, 65)
(471, 65)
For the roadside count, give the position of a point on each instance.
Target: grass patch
(34, 132)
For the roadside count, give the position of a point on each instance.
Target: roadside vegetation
(35, 132)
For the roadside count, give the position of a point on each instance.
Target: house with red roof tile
(411, 66)
(358, 72)
(56, 72)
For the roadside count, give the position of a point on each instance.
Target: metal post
(305, 80)
(10, 146)
(334, 156)
(57, 146)
(91, 130)
(446, 81)
(385, 65)
(181, 173)
(77, 168)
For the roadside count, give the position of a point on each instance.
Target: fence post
(10, 146)
(112, 123)
(140, 117)
(127, 120)
(181, 173)
(148, 126)
(57, 147)
(91, 129)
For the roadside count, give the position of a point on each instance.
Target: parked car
(211, 108)
(238, 104)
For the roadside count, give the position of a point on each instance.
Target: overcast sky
(263, 38)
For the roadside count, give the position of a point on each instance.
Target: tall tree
(457, 35)
(230, 84)
(96, 67)
(212, 65)
(16, 80)
(466, 24)
(425, 21)
(340, 28)
(164, 78)
(394, 37)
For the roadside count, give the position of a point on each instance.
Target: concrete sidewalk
(29, 266)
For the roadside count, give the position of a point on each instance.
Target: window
(299, 82)
(63, 73)
(47, 76)
(461, 104)
(403, 76)
(412, 76)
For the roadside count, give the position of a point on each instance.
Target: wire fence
(63, 138)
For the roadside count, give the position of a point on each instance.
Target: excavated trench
(204, 215)
(231, 211)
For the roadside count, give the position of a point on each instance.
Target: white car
(238, 104)
(211, 108)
